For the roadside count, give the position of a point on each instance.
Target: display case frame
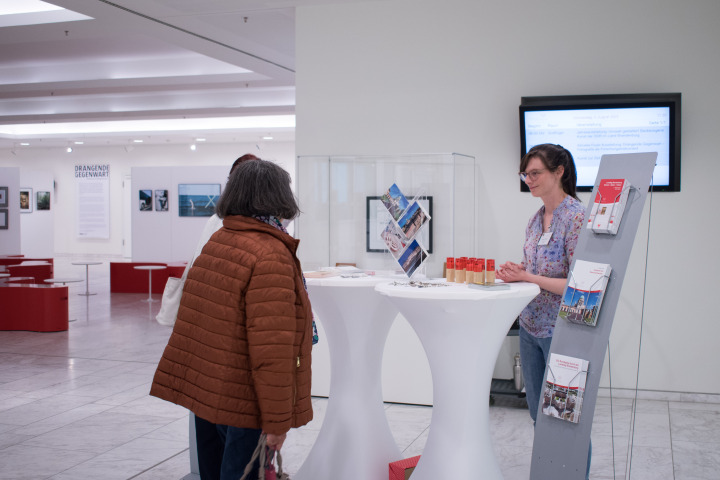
(333, 189)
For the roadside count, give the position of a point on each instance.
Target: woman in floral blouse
(550, 239)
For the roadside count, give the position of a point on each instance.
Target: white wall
(38, 227)
(60, 166)
(165, 236)
(410, 76)
(10, 238)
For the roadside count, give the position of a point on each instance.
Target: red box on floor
(402, 469)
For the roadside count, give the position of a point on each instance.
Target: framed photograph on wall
(3, 197)
(198, 199)
(26, 204)
(161, 200)
(4, 219)
(43, 200)
(145, 200)
(377, 217)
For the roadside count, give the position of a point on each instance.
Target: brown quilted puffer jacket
(239, 353)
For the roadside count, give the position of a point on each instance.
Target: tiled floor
(75, 405)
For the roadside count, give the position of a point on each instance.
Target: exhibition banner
(93, 201)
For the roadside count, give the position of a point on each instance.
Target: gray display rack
(590, 343)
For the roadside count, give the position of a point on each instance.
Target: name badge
(545, 238)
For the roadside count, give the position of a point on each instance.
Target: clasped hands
(511, 272)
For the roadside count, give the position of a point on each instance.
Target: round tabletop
(30, 263)
(63, 280)
(150, 267)
(452, 291)
(87, 263)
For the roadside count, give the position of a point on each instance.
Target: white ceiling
(146, 60)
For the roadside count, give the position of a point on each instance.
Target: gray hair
(258, 187)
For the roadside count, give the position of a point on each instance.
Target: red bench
(39, 272)
(37, 308)
(125, 279)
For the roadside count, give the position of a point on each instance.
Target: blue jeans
(534, 353)
(224, 451)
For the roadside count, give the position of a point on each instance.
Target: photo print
(395, 202)
(412, 258)
(3, 219)
(198, 200)
(161, 200)
(394, 239)
(3, 197)
(26, 200)
(43, 200)
(412, 220)
(146, 200)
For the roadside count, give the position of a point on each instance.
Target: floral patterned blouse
(552, 260)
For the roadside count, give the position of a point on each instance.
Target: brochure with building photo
(584, 292)
(564, 387)
(395, 202)
(413, 256)
(413, 219)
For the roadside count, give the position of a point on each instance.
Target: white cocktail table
(150, 269)
(461, 330)
(355, 441)
(87, 281)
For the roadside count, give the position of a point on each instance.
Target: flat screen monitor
(590, 126)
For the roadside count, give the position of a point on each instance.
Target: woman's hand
(511, 272)
(275, 442)
(514, 272)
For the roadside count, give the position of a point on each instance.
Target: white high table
(355, 441)
(461, 330)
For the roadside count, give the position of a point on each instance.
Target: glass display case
(342, 214)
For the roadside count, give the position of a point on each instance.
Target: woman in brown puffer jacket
(239, 353)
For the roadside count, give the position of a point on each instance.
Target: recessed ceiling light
(193, 147)
(69, 150)
(267, 137)
(199, 139)
(79, 143)
(25, 144)
(138, 141)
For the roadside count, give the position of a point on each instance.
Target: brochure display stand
(589, 343)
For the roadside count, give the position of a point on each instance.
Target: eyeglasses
(531, 175)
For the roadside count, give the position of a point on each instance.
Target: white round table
(461, 330)
(355, 441)
(87, 282)
(63, 280)
(150, 269)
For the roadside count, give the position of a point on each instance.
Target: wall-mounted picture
(43, 200)
(161, 200)
(412, 258)
(4, 219)
(26, 205)
(198, 199)
(377, 218)
(3, 197)
(145, 200)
